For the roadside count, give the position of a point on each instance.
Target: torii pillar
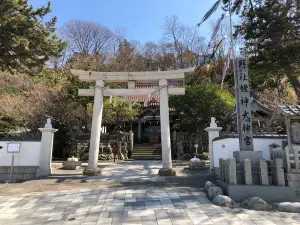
(96, 126)
(165, 125)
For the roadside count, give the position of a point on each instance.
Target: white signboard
(243, 106)
(13, 147)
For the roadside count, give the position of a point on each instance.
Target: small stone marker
(280, 181)
(232, 171)
(247, 172)
(264, 177)
(225, 169)
(221, 169)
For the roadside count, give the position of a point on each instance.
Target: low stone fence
(20, 173)
(265, 173)
(246, 179)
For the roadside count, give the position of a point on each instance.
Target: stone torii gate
(130, 77)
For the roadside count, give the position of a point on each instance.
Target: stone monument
(244, 120)
(196, 163)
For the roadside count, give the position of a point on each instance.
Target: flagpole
(233, 62)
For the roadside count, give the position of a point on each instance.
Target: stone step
(140, 151)
(146, 153)
(146, 150)
(146, 157)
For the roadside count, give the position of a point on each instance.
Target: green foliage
(199, 104)
(7, 124)
(26, 40)
(118, 113)
(271, 32)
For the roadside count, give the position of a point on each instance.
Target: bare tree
(185, 40)
(118, 37)
(174, 33)
(87, 37)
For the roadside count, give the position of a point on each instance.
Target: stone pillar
(165, 125)
(247, 172)
(131, 84)
(263, 170)
(221, 169)
(140, 132)
(46, 150)
(213, 132)
(96, 126)
(232, 171)
(225, 170)
(280, 181)
(131, 139)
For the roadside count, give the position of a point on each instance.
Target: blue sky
(141, 20)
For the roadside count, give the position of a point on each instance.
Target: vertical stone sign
(243, 105)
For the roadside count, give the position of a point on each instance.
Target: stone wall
(29, 154)
(20, 173)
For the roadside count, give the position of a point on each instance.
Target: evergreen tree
(272, 41)
(26, 40)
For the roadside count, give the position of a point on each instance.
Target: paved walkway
(130, 170)
(100, 201)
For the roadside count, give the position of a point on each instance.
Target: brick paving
(135, 204)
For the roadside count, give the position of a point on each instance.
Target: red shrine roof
(152, 100)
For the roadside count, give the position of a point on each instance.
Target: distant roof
(288, 110)
(153, 100)
(256, 106)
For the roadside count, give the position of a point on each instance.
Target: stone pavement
(130, 170)
(171, 205)
(105, 200)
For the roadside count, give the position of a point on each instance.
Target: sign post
(244, 121)
(13, 148)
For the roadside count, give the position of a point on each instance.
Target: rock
(293, 207)
(213, 192)
(207, 185)
(71, 165)
(92, 172)
(167, 172)
(255, 203)
(222, 200)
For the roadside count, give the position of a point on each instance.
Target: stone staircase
(146, 152)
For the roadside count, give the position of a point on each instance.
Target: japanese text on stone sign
(244, 108)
